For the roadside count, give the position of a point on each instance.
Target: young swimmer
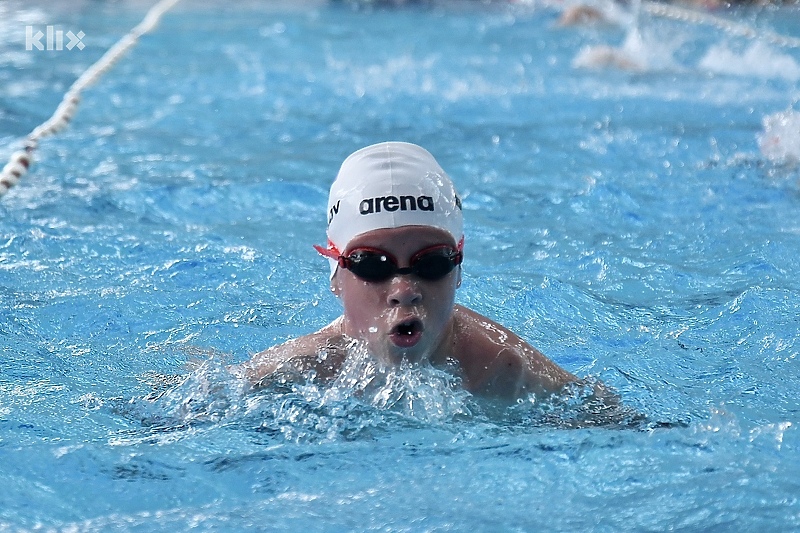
(395, 246)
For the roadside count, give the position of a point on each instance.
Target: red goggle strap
(331, 252)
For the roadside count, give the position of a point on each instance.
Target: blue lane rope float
(20, 161)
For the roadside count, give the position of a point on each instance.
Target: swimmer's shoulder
(322, 351)
(479, 344)
(498, 362)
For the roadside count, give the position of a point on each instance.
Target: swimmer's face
(405, 316)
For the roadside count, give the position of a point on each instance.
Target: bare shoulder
(322, 351)
(497, 361)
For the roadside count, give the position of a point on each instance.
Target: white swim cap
(390, 185)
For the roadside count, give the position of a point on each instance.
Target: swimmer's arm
(496, 362)
(499, 363)
(521, 369)
(298, 355)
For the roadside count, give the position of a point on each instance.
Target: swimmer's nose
(404, 290)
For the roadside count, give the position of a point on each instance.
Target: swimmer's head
(390, 185)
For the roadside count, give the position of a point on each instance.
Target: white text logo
(53, 39)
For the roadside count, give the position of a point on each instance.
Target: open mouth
(407, 333)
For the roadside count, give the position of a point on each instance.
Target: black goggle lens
(373, 265)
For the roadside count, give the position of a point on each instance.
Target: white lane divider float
(20, 161)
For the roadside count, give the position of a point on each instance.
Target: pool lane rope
(20, 161)
(693, 16)
(734, 28)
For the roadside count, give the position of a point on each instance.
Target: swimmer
(395, 248)
(581, 15)
(604, 56)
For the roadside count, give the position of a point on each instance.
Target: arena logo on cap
(393, 203)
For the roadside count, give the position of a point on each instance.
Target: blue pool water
(627, 223)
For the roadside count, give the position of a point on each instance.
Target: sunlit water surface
(638, 226)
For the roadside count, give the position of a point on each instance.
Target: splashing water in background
(757, 57)
(757, 60)
(634, 55)
(780, 139)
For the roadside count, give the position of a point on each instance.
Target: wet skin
(404, 317)
(409, 318)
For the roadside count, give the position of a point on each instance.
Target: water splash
(416, 391)
(210, 394)
(367, 397)
(780, 139)
(757, 60)
(577, 406)
(639, 52)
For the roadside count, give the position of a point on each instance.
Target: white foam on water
(640, 52)
(757, 60)
(417, 391)
(779, 141)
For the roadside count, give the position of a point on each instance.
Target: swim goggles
(371, 264)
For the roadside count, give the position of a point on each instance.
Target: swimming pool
(625, 222)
